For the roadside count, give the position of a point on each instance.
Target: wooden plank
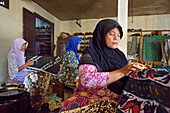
(141, 48)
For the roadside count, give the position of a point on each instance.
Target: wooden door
(50, 45)
(29, 31)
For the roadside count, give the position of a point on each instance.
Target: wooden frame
(158, 33)
(29, 32)
(61, 40)
(6, 3)
(52, 31)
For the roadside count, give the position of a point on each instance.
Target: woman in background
(69, 70)
(103, 71)
(16, 61)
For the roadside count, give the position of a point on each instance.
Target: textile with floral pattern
(146, 91)
(69, 70)
(91, 88)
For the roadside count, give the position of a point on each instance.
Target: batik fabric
(69, 70)
(91, 88)
(146, 91)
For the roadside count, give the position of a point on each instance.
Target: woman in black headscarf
(102, 71)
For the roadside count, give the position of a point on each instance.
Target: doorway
(39, 33)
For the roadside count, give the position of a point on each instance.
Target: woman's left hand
(29, 63)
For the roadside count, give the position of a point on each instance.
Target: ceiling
(91, 9)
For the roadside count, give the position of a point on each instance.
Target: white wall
(153, 22)
(87, 25)
(11, 24)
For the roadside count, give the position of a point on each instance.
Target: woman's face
(78, 47)
(112, 38)
(23, 47)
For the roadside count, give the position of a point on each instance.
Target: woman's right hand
(131, 66)
(29, 63)
(124, 71)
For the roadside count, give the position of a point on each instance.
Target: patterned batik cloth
(13, 69)
(90, 88)
(105, 106)
(146, 92)
(49, 64)
(69, 70)
(37, 84)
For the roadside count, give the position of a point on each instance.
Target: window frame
(6, 5)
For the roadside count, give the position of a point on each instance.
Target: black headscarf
(107, 58)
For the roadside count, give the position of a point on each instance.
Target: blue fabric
(20, 76)
(72, 45)
(37, 49)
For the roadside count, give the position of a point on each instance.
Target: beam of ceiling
(90, 9)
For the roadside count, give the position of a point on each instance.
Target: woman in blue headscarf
(69, 70)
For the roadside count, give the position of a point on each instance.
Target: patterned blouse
(69, 70)
(13, 69)
(90, 88)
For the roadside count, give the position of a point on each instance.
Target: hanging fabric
(152, 48)
(133, 45)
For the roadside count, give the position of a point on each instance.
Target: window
(4, 3)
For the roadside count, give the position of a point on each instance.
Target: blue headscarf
(72, 45)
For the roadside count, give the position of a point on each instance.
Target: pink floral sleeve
(90, 78)
(13, 66)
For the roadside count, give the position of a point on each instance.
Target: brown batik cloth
(106, 106)
(37, 84)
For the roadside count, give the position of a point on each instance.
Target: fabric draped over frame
(152, 48)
